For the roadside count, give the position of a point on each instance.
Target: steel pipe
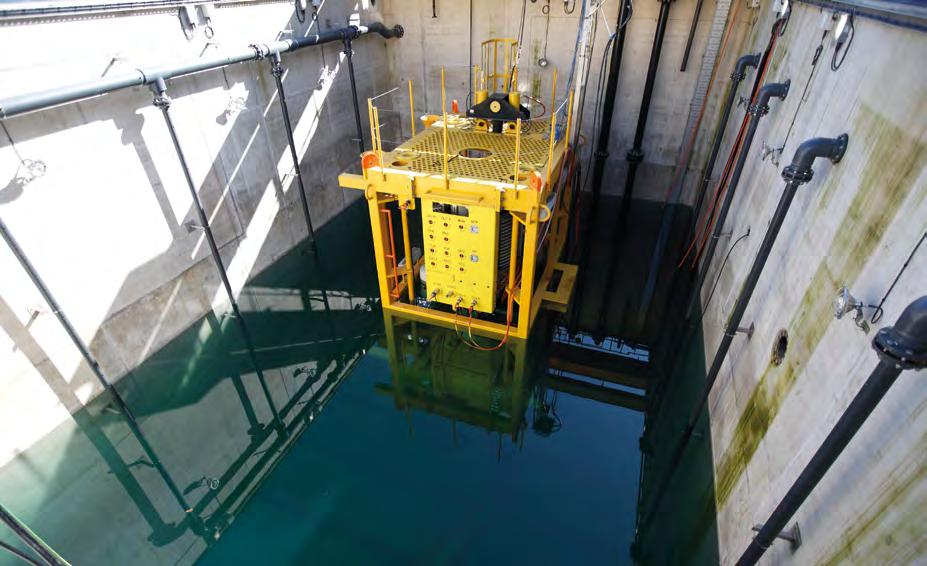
(276, 69)
(601, 154)
(31, 540)
(34, 101)
(739, 74)
(796, 174)
(163, 102)
(900, 347)
(92, 363)
(349, 55)
(756, 111)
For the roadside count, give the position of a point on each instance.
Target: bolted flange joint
(635, 156)
(757, 110)
(793, 174)
(905, 344)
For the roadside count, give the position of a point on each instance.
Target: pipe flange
(635, 156)
(894, 349)
(738, 76)
(793, 174)
(276, 69)
(162, 101)
(758, 110)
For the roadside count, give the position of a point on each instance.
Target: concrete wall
(433, 42)
(854, 224)
(105, 225)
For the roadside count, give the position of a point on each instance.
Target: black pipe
(26, 535)
(601, 154)
(688, 50)
(92, 363)
(756, 111)
(796, 174)
(636, 154)
(163, 102)
(739, 74)
(900, 347)
(276, 69)
(349, 53)
(33, 101)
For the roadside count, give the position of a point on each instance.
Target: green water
(395, 444)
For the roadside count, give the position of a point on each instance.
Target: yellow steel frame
(388, 177)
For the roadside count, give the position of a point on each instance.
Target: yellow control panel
(461, 249)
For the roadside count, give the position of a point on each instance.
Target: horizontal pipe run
(34, 101)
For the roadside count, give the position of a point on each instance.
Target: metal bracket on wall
(792, 535)
(187, 16)
(772, 152)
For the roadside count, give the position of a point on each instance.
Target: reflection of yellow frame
(525, 198)
(513, 371)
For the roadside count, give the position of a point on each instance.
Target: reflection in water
(488, 453)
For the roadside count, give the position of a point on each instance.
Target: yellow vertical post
(407, 249)
(517, 148)
(444, 112)
(380, 243)
(553, 126)
(411, 108)
(495, 64)
(376, 118)
(527, 273)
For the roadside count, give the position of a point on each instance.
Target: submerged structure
(388, 281)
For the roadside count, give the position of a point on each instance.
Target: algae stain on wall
(893, 164)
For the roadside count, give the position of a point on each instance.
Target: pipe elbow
(394, 32)
(800, 169)
(767, 92)
(740, 69)
(905, 343)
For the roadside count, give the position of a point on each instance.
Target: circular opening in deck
(521, 177)
(475, 153)
(400, 163)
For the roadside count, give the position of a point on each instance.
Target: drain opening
(780, 345)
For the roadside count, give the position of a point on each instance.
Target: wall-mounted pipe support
(34, 101)
(795, 175)
(163, 102)
(276, 69)
(900, 347)
(756, 111)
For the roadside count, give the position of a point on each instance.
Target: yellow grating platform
(424, 152)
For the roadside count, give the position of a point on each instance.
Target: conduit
(900, 347)
(796, 174)
(601, 153)
(754, 113)
(33, 101)
(163, 102)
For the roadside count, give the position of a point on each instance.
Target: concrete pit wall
(105, 225)
(854, 224)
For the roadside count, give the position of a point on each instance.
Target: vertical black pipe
(276, 69)
(32, 540)
(900, 347)
(756, 111)
(349, 55)
(692, 27)
(636, 154)
(739, 74)
(163, 102)
(796, 174)
(601, 154)
(92, 362)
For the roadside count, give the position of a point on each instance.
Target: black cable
(721, 269)
(851, 31)
(877, 315)
(20, 554)
(300, 13)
